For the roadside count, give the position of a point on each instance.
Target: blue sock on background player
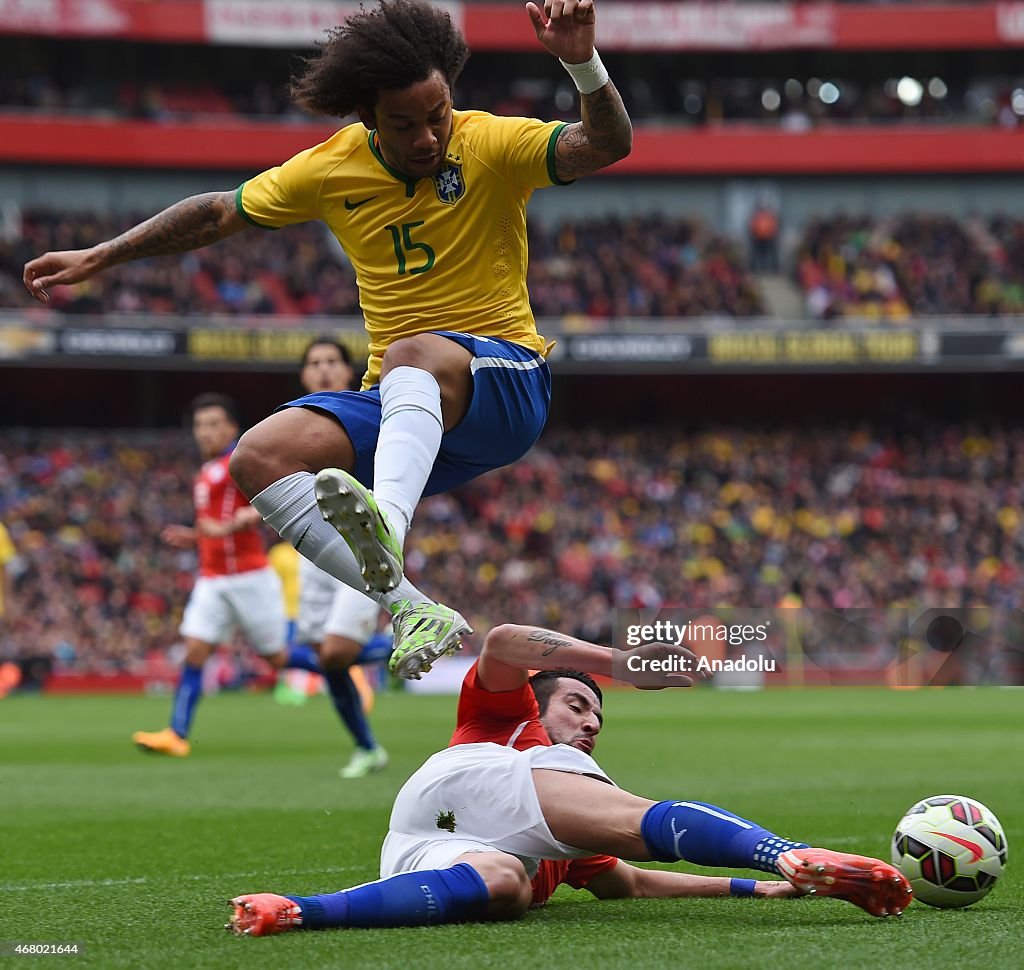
(377, 649)
(186, 696)
(349, 705)
(303, 657)
(707, 835)
(408, 899)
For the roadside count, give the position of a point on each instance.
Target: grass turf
(133, 856)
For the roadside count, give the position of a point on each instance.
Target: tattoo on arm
(601, 138)
(552, 640)
(189, 224)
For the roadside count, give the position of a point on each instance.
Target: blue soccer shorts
(511, 399)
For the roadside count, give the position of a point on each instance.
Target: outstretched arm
(189, 224)
(511, 651)
(604, 136)
(631, 882)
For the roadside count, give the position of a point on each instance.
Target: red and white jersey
(217, 497)
(512, 718)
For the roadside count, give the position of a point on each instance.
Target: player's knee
(338, 653)
(508, 886)
(277, 660)
(197, 652)
(247, 465)
(409, 352)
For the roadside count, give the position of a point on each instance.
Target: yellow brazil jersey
(441, 253)
(7, 553)
(284, 560)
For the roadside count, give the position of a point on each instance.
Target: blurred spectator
(763, 229)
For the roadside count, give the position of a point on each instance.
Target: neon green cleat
(363, 763)
(352, 510)
(423, 633)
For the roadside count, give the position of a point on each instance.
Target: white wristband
(589, 76)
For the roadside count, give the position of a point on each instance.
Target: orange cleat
(873, 885)
(162, 742)
(261, 914)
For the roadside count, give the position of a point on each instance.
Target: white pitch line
(193, 877)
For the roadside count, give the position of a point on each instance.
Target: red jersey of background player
(217, 497)
(512, 718)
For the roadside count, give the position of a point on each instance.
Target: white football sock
(410, 436)
(289, 508)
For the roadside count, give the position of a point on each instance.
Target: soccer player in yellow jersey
(430, 206)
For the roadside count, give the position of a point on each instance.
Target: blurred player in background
(516, 805)
(7, 554)
(340, 623)
(236, 587)
(429, 204)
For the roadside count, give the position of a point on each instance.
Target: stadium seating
(858, 516)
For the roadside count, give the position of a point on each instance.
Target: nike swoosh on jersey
(976, 850)
(355, 205)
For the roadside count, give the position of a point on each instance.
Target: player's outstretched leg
(352, 510)
(873, 885)
(591, 815)
(425, 632)
(493, 886)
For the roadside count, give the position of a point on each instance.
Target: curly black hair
(388, 47)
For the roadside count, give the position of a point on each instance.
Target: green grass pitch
(133, 856)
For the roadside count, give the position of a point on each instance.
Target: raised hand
(565, 28)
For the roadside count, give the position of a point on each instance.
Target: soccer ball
(951, 848)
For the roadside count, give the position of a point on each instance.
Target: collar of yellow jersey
(410, 183)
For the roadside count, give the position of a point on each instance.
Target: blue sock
(186, 696)
(377, 649)
(304, 657)
(707, 835)
(408, 899)
(349, 706)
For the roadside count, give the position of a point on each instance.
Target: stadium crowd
(588, 521)
(913, 265)
(608, 267)
(792, 103)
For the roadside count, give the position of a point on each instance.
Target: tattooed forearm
(552, 640)
(189, 224)
(604, 136)
(605, 121)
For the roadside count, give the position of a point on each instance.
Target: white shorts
(485, 793)
(250, 601)
(328, 606)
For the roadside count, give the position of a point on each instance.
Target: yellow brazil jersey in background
(284, 560)
(7, 553)
(441, 253)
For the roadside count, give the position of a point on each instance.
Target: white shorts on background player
(251, 602)
(328, 606)
(486, 793)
